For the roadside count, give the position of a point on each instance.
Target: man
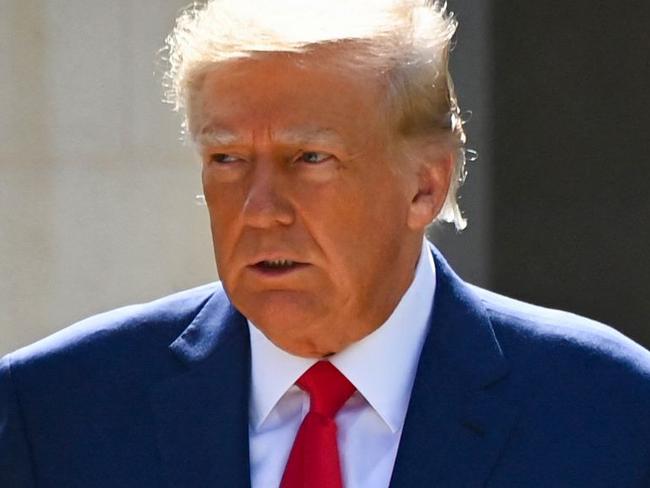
(339, 348)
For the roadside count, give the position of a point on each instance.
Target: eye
(313, 157)
(222, 158)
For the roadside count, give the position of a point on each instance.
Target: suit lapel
(202, 413)
(461, 410)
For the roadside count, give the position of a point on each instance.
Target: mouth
(276, 267)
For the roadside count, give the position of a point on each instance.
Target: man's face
(311, 209)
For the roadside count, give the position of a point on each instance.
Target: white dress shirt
(381, 366)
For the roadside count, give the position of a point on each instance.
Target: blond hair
(408, 40)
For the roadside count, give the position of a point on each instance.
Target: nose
(267, 201)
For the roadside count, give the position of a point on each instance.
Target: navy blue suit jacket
(506, 395)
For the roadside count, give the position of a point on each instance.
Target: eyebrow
(222, 136)
(310, 135)
(215, 136)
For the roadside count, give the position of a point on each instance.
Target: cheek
(372, 225)
(224, 208)
(331, 213)
(343, 224)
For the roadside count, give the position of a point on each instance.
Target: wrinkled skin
(300, 164)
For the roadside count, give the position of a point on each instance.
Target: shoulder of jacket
(156, 321)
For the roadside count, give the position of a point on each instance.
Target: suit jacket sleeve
(646, 480)
(15, 453)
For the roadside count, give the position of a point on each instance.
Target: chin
(282, 305)
(278, 310)
(303, 346)
(298, 330)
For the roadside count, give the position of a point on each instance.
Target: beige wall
(97, 193)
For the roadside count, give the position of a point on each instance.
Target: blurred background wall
(571, 157)
(97, 192)
(561, 98)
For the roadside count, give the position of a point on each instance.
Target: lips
(277, 263)
(277, 266)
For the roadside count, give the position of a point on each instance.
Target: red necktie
(314, 459)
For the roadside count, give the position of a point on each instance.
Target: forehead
(296, 95)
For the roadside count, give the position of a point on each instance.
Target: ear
(433, 180)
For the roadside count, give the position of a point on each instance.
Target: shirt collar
(381, 366)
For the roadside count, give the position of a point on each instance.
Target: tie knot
(328, 388)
